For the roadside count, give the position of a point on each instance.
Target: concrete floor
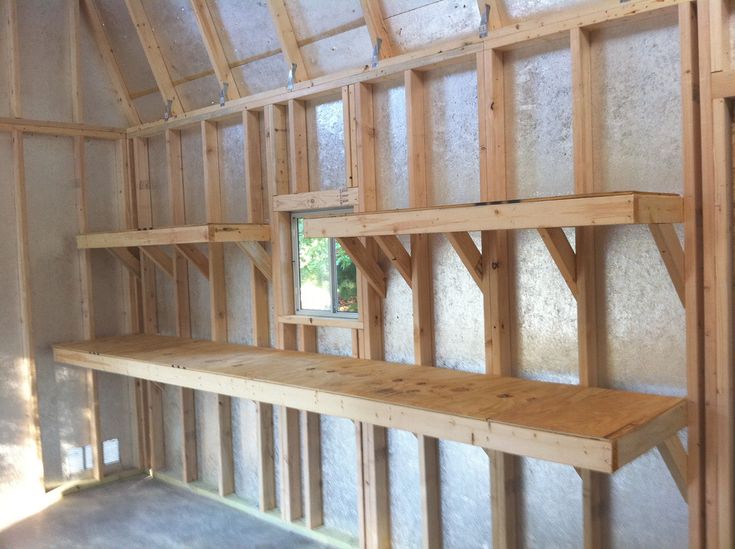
(144, 512)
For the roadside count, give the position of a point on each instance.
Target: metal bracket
(223, 94)
(376, 52)
(484, 21)
(291, 77)
(167, 110)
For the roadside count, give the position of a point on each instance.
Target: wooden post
(175, 171)
(372, 442)
(306, 335)
(586, 261)
(495, 273)
(693, 298)
(283, 292)
(259, 297)
(423, 297)
(218, 298)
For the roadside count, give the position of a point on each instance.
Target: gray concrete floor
(144, 512)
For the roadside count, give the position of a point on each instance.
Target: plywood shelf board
(185, 234)
(620, 208)
(593, 428)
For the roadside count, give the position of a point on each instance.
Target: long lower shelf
(590, 428)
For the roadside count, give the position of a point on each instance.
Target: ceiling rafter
(498, 13)
(375, 23)
(153, 53)
(215, 50)
(108, 57)
(287, 38)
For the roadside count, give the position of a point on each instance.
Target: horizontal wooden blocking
(186, 234)
(365, 262)
(316, 200)
(620, 208)
(591, 428)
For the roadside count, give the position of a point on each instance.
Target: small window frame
(296, 261)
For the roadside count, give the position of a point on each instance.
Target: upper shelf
(620, 208)
(186, 234)
(591, 428)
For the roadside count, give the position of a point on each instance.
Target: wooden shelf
(620, 208)
(186, 234)
(592, 428)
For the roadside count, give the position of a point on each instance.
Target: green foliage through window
(327, 277)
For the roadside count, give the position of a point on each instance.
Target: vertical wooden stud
(259, 296)
(495, 266)
(423, 296)
(283, 292)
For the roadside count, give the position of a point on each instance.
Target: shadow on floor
(145, 513)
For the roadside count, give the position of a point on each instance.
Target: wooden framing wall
(706, 277)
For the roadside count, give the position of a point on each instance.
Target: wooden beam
(297, 147)
(495, 286)
(618, 208)
(97, 26)
(350, 136)
(27, 348)
(198, 258)
(175, 172)
(563, 255)
(323, 321)
(185, 234)
(151, 397)
(283, 291)
(316, 200)
(299, 182)
(376, 27)
(218, 298)
(128, 259)
(372, 441)
(693, 265)
(154, 56)
(673, 453)
(61, 129)
(11, 28)
(498, 16)
(423, 300)
(259, 256)
(550, 25)
(160, 258)
(468, 253)
(587, 322)
(287, 38)
(396, 253)
(365, 262)
(213, 44)
(669, 246)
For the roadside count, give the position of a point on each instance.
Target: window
(326, 278)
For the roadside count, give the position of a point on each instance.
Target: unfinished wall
(638, 136)
(51, 188)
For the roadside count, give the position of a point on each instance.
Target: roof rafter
(108, 56)
(375, 23)
(498, 14)
(287, 38)
(213, 44)
(153, 53)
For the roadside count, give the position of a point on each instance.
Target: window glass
(346, 275)
(314, 276)
(326, 278)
